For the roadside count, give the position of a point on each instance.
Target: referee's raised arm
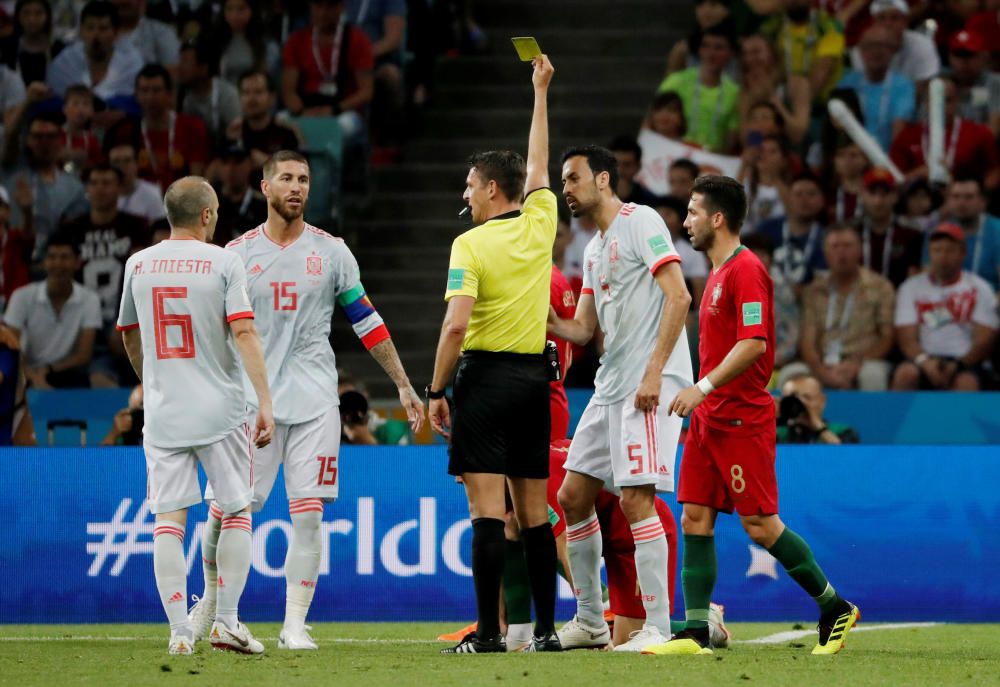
(538, 138)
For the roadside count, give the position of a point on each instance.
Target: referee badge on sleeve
(456, 279)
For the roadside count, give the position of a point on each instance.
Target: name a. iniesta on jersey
(176, 267)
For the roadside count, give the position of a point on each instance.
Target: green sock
(516, 585)
(677, 625)
(796, 557)
(698, 579)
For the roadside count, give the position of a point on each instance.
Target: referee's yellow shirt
(506, 265)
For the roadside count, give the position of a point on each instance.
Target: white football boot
(236, 638)
(578, 635)
(296, 639)
(718, 635)
(649, 635)
(180, 645)
(201, 617)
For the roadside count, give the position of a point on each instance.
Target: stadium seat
(95, 407)
(324, 148)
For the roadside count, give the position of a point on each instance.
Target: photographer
(800, 415)
(360, 425)
(126, 430)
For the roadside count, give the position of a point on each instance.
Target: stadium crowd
(884, 278)
(105, 103)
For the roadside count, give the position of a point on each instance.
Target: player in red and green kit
(728, 460)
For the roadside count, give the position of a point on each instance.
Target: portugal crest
(314, 265)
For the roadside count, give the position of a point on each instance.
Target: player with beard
(295, 274)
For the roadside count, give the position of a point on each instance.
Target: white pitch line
(790, 635)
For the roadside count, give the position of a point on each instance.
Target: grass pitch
(400, 654)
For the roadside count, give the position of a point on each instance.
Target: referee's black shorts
(501, 417)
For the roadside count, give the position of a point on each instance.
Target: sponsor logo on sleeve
(751, 314)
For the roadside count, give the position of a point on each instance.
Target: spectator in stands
(57, 320)
(207, 96)
(762, 119)
(970, 149)
(384, 22)
(845, 183)
(978, 87)
(15, 245)
(95, 60)
(888, 98)
(56, 195)
(797, 237)
(946, 320)
(786, 307)
(81, 147)
(847, 329)
(31, 47)
(126, 429)
(766, 173)
(241, 206)
(244, 44)
(155, 41)
(888, 249)
(13, 100)
(328, 70)
(170, 144)
(811, 44)
(919, 207)
(257, 131)
(681, 176)
(764, 80)
(666, 116)
(106, 238)
(628, 154)
(917, 57)
(361, 425)
(684, 52)
(710, 97)
(137, 196)
(966, 207)
(987, 25)
(800, 415)
(694, 266)
(15, 417)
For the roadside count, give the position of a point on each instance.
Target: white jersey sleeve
(128, 318)
(237, 299)
(651, 239)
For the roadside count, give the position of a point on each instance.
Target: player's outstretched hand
(440, 416)
(647, 397)
(264, 430)
(686, 401)
(414, 407)
(543, 71)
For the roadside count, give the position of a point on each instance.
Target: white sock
(170, 569)
(583, 543)
(651, 569)
(234, 565)
(209, 546)
(519, 633)
(302, 560)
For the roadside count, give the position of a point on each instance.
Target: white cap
(880, 6)
(4, 196)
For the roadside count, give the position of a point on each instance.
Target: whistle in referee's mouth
(464, 211)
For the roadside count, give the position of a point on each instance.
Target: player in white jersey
(634, 289)
(186, 321)
(296, 273)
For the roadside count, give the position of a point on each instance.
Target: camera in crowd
(793, 414)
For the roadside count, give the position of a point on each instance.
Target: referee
(498, 303)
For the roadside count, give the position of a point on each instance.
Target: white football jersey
(293, 290)
(182, 295)
(618, 272)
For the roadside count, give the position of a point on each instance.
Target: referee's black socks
(540, 553)
(488, 545)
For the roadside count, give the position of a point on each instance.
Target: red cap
(879, 176)
(951, 231)
(967, 41)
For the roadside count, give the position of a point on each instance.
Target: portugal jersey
(293, 289)
(618, 271)
(182, 295)
(738, 305)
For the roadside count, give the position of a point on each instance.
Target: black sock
(540, 552)
(487, 570)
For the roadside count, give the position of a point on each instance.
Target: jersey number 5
(285, 297)
(162, 320)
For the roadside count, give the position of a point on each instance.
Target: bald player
(187, 322)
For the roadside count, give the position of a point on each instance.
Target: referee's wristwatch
(433, 395)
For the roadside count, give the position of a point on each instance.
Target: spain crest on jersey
(314, 265)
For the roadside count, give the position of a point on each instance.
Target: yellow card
(527, 48)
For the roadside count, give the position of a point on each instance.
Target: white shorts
(625, 447)
(172, 473)
(309, 451)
